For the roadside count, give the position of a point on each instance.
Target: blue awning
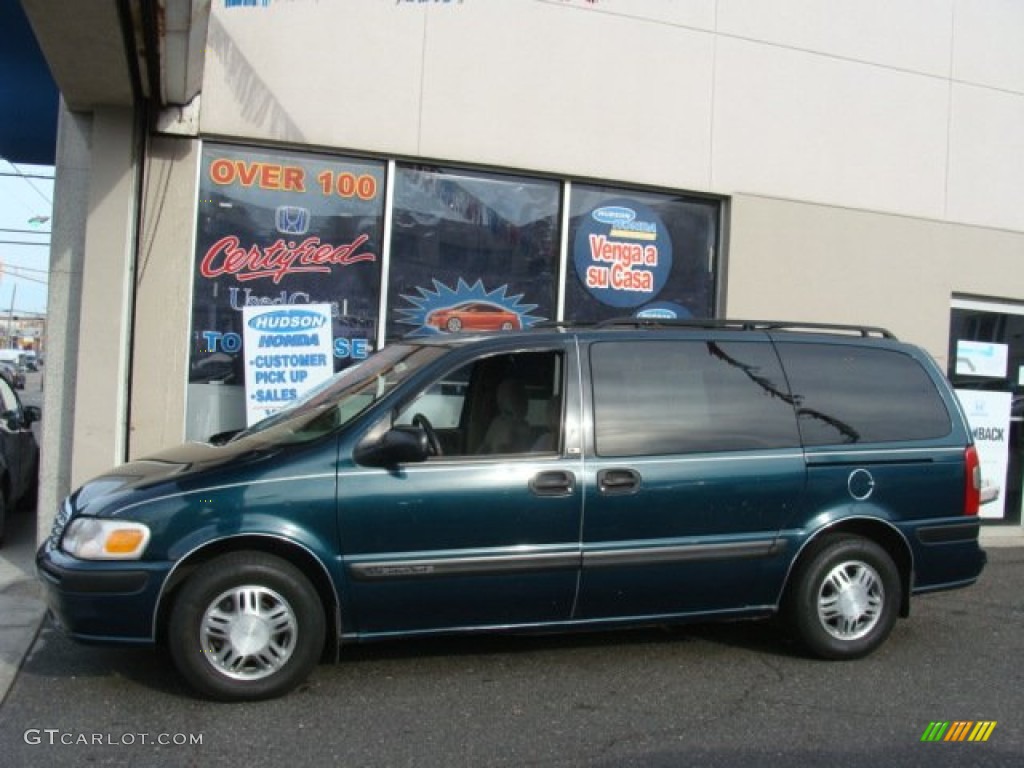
(28, 94)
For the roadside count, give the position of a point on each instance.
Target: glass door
(986, 367)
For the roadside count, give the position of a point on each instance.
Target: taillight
(972, 481)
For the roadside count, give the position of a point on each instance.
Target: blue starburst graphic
(445, 309)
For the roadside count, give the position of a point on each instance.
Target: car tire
(454, 324)
(844, 598)
(246, 626)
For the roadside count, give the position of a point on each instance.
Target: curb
(21, 603)
(1001, 536)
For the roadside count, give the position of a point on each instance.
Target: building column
(90, 302)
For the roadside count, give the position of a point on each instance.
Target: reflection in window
(471, 252)
(664, 397)
(850, 394)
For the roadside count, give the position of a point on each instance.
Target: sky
(24, 243)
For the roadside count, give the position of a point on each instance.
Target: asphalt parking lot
(722, 695)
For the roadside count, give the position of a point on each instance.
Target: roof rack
(559, 324)
(745, 325)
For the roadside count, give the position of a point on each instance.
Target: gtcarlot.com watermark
(57, 737)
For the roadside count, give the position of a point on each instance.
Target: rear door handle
(556, 482)
(613, 482)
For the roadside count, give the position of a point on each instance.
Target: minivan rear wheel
(246, 626)
(845, 598)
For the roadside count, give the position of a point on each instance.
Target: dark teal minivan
(566, 478)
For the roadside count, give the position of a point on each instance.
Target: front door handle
(556, 482)
(613, 482)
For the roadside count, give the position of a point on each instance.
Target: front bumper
(102, 601)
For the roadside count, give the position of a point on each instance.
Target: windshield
(342, 397)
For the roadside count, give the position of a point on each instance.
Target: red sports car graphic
(474, 316)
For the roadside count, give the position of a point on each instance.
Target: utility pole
(10, 318)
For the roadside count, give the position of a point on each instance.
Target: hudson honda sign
(287, 353)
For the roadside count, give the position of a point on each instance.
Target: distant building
(24, 331)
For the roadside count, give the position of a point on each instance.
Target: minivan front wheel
(845, 598)
(246, 626)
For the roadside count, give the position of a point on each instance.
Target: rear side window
(850, 394)
(663, 397)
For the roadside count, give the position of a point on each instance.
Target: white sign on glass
(981, 358)
(288, 351)
(988, 414)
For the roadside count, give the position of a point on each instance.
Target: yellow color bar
(982, 730)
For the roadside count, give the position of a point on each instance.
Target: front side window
(850, 394)
(670, 397)
(502, 404)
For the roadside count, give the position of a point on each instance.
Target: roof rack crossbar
(745, 325)
(558, 324)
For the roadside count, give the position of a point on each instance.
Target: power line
(27, 175)
(21, 242)
(25, 277)
(26, 231)
(23, 269)
(28, 181)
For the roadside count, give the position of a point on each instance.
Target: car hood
(181, 466)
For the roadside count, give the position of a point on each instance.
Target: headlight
(90, 538)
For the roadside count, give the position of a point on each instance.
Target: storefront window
(276, 229)
(471, 252)
(986, 367)
(641, 254)
(290, 249)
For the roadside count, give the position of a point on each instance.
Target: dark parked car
(568, 478)
(13, 375)
(19, 453)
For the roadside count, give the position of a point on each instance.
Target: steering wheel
(421, 421)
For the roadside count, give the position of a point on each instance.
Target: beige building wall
(912, 108)
(821, 263)
(163, 298)
(104, 322)
(71, 214)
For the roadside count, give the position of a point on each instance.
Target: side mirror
(13, 420)
(33, 413)
(222, 437)
(399, 445)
